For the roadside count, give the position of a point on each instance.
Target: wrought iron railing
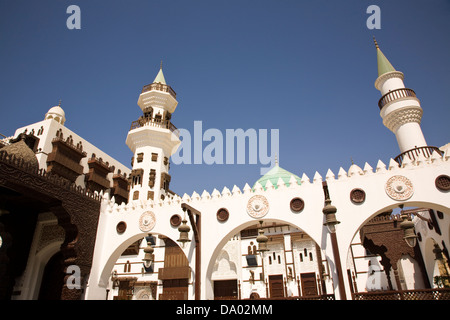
(394, 95)
(153, 122)
(315, 297)
(421, 294)
(413, 154)
(159, 87)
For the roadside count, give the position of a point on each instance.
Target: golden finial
(376, 43)
(160, 66)
(59, 104)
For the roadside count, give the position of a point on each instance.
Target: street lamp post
(196, 224)
(330, 222)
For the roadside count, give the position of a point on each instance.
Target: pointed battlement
(354, 172)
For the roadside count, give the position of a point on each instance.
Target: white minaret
(153, 139)
(399, 107)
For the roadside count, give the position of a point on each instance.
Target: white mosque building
(377, 232)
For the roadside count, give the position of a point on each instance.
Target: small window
(251, 260)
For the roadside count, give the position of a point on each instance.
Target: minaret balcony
(153, 122)
(395, 95)
(416, 153)
(159, 87)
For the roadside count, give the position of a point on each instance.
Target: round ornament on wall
(357, 195)
(399, 188)
(144, 294)
(121, 227)
(175, 220)
(147, 221)
(257, 206)
(297, 204)
(222, 215)
(443, 182)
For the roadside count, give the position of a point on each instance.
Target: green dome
(274, 174)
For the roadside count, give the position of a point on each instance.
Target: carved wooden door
(309, 287)
(276, 286)
(175, 274)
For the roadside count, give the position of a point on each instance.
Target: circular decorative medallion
(443, 182)
(222, 215)
(147, 221)
(357, 196)
(257, 206)
(175, 220)
(121, 227)
(297, 204)
(144, 294)
(399, 188)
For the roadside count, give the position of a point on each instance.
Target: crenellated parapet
(354, 172)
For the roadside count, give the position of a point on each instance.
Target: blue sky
(306, 68)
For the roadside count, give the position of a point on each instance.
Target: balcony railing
(394, 95)
(421, 294)
(153, 122)
(159, 87)
(414, 154)
(314, 297)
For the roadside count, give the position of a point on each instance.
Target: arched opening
(381, 264)
(131, 274)
(293, 267)
(53, 278)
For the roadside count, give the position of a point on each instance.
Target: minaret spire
(160, 76)
(376, 43)
(384, 66)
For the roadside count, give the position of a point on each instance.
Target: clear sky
(306, 68)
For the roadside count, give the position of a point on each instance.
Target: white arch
(208, 286)
(115, 255)
(427, 248)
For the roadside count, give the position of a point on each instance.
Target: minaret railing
(153, 122)
(394, 95)
(415, 153)
(159, 87)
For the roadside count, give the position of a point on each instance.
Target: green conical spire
(384, 66)
(160, 76)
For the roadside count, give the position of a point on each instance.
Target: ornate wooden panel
(76, 209)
